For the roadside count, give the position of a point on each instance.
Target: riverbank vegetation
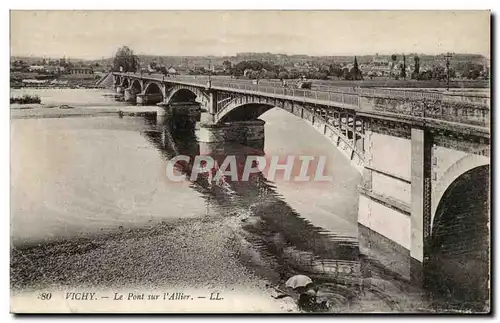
(26, 99)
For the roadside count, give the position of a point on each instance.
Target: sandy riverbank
(23, 111)
(197, 254)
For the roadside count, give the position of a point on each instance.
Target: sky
(98, 34)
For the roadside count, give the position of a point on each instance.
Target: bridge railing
(479, 99)
(350, 99)
(463, 113)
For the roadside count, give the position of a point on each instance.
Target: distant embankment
(105, 81)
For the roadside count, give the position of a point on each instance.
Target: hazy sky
(94, 34)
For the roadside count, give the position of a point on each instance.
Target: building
(32, 82)
(36, 68)
(81, 70)
(52, 69)
(380, 61)
(182, 70)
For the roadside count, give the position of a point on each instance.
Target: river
(88, 176)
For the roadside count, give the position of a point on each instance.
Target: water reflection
(81, 176)
(286, 242)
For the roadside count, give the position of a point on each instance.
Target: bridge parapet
(351, 99)
(425, 95)
(461, 112)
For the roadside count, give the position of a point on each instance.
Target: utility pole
(209, 73)
(448, 57)
(209, 69)
(404, 67)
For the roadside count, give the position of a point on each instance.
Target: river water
(84, 175)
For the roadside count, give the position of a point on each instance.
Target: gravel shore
(202, 253)
(29, 111)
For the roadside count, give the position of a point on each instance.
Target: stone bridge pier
(119, 89)
(180, 114)
(213, 129)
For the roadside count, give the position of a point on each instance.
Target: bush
(26, 99)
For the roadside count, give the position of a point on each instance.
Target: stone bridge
(423, 155)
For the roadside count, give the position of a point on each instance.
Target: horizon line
(247, 52)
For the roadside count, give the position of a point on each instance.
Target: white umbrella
(298, 281)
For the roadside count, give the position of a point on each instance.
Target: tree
(319, 75)
(125, 59)
(152, 67)
(394, 58)
(416, 71)
(403, 68)
(283, 75)
(416, 59)
(486, 73)
(474, 74)
(345, 74)
(272, 75)
(439, 73)
(335, 70)
(226, 65)
(355, 71)
(163, 70)
(424, 76)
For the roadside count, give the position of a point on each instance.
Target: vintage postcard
(250, 161)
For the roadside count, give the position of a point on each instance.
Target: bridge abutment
(395, 198)
(163, 112)
(384, 214)
(148, 98)
(129, 95)
(119, 89)
(187, 111)
(207, 119)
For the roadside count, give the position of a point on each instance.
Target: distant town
(65, 72)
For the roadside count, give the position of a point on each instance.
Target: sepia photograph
(250, 161)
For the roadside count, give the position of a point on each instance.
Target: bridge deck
(474, 113)
(198, 80)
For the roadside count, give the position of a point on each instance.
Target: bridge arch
(125, 83)
(136, 86)
(154, 93)
(458, 248)
(118, 80)
(456, 170)
(184, 93)
(153, 87)
(244, 112)
(247, 108)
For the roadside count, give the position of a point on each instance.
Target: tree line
(125, 60)
(257, 69)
